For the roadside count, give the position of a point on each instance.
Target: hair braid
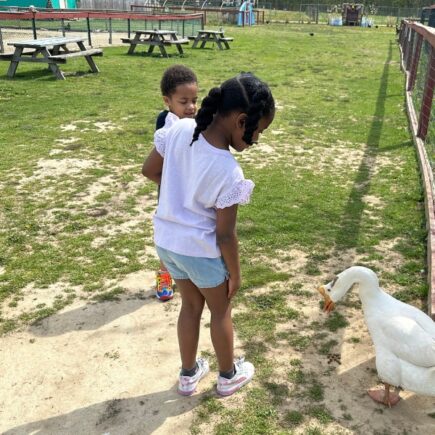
(255, 112)
(205, 114)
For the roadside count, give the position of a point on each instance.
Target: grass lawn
(336, 179)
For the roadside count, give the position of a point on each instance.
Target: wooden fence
(223, 15)
(413, 39)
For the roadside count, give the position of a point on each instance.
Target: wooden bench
(126, 40)
(6, 56)
(176, 42)
(226, 39)
(51, 51)
(64, 56)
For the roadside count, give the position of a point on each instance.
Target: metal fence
(324, 13)
(93, 22)
(297, 12)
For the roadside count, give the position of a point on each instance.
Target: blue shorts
(203, 272)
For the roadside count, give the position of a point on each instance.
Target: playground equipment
(352, 14)
(246, 16)
(428, 16)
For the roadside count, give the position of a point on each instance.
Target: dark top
(160, 121)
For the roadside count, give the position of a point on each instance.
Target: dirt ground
(100, 368)
(111, 368)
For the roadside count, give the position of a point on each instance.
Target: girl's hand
(152, 167)
(227, 240)
(233, 286)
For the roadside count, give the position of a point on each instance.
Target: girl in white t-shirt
(179, 87)
(195, 223)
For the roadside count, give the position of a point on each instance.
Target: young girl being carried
(179, 87)
(195, 223)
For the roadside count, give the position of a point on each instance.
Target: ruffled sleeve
(170, 119)
(161, 133)
(239, 193)
(160, 140)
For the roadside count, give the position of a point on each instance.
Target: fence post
(110, 31)
(128, 27)
(89, 30)
(406, 44)
(411, 50)
(426, 104)
(2, 47)
(34, 26)
(183, 28)
(414, 65)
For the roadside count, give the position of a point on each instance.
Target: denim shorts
(203, 272)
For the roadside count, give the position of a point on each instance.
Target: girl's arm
(152, 167)
(226, 238)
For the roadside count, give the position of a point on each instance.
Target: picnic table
(156, 38)
(51, 51)
(216, 36)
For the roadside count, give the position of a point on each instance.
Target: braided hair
(246, 93)
(174, 76)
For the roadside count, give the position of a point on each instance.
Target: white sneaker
(244, 373)
(187, 384)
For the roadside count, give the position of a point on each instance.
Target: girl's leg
(192, 305)
(221, 327)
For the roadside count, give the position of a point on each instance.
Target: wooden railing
(233, 12)
(413, 37)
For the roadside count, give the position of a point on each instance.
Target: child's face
(236, 138)
(183, 101)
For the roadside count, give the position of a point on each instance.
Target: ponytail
(254, 113)
(245, 93)
(205, 115)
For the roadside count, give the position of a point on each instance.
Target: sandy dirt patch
(99, 368)
(111, 368)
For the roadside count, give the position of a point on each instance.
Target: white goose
(403, 336)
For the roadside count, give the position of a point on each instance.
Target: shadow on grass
(136, 415)
(154, 55)
(45, 75)
(42, 73)
(90, 317)
(347, 236)
(411, 414)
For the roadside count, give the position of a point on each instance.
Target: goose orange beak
(329, 304)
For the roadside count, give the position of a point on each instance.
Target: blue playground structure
(428, 16)
(246, 16)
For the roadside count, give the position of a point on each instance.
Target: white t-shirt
(196, 180)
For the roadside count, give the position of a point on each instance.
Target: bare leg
(163, 267)
(192, 305)
(387, 397)
(221, 327)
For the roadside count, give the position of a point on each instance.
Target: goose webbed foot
(385, 396)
